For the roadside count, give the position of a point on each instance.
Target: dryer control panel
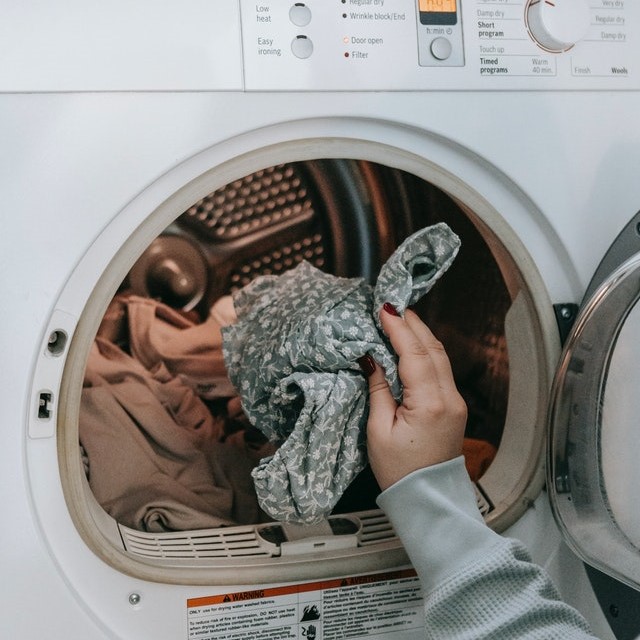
(321, 45)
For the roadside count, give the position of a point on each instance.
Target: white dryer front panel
(112, 115)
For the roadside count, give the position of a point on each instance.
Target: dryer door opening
(174, 505)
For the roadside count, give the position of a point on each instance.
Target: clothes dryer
(178, 151)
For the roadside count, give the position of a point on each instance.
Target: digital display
(438, 6)
(438, 11)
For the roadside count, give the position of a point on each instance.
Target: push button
(300, 14)
(440, 48)
(302, 47)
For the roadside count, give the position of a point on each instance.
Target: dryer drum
(345, 217)
(330, 213)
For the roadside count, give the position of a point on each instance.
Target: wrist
(434, 513)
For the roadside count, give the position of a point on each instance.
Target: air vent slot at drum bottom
(272, 540)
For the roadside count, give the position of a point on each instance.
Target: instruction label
(377, 605)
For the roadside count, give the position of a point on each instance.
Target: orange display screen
(437, 6)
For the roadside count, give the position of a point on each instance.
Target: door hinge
(566, 313)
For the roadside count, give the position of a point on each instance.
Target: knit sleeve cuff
(435, 514)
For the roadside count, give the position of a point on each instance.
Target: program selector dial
(557, 25)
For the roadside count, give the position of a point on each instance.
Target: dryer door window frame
(589, 449)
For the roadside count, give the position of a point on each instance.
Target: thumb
(382, 405)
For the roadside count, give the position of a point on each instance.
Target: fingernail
(390, 309)
(367, 364)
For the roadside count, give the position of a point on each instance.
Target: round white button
(441, 48)
(557, 26)
(302, 47)
(300, 14)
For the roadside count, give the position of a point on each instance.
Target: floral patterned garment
(293, 358)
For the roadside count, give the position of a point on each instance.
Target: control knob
(556, 25)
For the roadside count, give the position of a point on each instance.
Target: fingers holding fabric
(382, 417)
(435, 350)
(428, 427)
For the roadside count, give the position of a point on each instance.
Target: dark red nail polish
(389, 308)
(367, 364)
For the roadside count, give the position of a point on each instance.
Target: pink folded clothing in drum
(154, 450)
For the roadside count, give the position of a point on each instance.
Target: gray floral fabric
(293, 358)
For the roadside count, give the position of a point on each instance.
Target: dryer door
(593, 464)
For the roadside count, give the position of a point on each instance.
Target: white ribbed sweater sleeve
(476, 583)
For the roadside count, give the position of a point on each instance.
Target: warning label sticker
(375, 605)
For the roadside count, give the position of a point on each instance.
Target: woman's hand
(428, 427)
